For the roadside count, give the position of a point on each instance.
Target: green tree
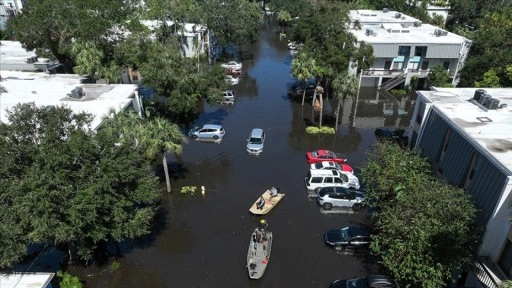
(490, 79)
(344, 87)
(439, 77)
(61, 22)
(87, 58)
(283, 18)
(486, 49)
(416, 237)
(61, 184)
(69, 281)
(303, 68)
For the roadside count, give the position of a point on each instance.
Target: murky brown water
(203, 241)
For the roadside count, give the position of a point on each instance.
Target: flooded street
(202, 241)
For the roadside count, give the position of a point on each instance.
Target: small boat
(258, 254)
(270, 202)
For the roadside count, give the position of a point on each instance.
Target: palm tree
(87, 57)
(343, 87)
(283, 18)
(159, 137)
(303, 68)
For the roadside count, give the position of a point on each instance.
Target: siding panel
(488, 181)
(385, 50)
(443, 51)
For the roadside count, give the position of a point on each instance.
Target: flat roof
(403, 29)
(25, 280)
(491, 129)
(14, 57)
(53, 89)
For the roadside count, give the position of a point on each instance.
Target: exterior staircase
(398, 79)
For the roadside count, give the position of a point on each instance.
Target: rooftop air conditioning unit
(443, 32)
(484, 99)
(478, 94)
(437, 32)
(493, 103)
(417, 23)
(398, 15)
(369, 32)
(77, 92)
(385, 10)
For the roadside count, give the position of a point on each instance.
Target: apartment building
(404, 47)
(466, 134)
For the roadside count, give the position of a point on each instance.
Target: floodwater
(202, 241)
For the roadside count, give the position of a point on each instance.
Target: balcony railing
(487, 272)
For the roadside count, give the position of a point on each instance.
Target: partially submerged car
(353, 181)
(256, 141)
(232, 65)
(336, 196)
(354, 238)
(370, 281)
(207, 132)
(324, 155)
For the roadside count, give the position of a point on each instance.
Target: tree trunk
(337, 115)
(321, 110)
(313, 107)
(303, 95)
(166, 172)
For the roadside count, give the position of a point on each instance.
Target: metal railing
(483, 269)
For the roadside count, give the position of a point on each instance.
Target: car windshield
(255, 140)
(356, 283)
(337, 166)
(344, 233)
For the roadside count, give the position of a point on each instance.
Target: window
(442, 152)
(404, 51)
(420, 51)
(316, 180)
(471, 171)
(424, 65)
(338, 180)
(446, 65)
(328, 180)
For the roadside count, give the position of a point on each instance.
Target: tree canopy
(63, 185)
(422, 227)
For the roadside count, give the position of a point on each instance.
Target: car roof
(380, 281)
(357, 230)
(256, 132)
(212, 126)
(324, 172)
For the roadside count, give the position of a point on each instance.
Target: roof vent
(77, 93)
(417, 23)
(484, 99)
(369, 32)
(398, 15)
(440, 32)
(385, 10)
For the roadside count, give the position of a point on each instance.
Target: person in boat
(261, 203)
(273, 192)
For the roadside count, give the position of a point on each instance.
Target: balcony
(488, 273)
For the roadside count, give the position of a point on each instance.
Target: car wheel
(356, 207)
(193, 136)
(215, 137)
(327, 206)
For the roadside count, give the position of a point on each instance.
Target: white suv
(329, 197)
(322, 178)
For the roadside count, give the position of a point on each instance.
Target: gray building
(466, 134)
(404, 47)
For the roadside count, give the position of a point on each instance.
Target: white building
(9, 8)
(466, 134)
(66, 90)
(404, 47)
(26, 280)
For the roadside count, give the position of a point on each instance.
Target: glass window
(338, 180)
(404, 51)
(316, 180)
(328, 180)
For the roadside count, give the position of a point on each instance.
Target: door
(387, 65)
(424, 65)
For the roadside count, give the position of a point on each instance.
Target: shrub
(321, 130)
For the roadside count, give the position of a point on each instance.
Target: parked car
(228, 95)
(335, 196)
(370, 281)
(351, 239)
(324, 155)
(211, 132)
(329, 165)
(396, 135)
(353, 181)
(256, 141)
(232, 65)
(316, 179)
(231, 80)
